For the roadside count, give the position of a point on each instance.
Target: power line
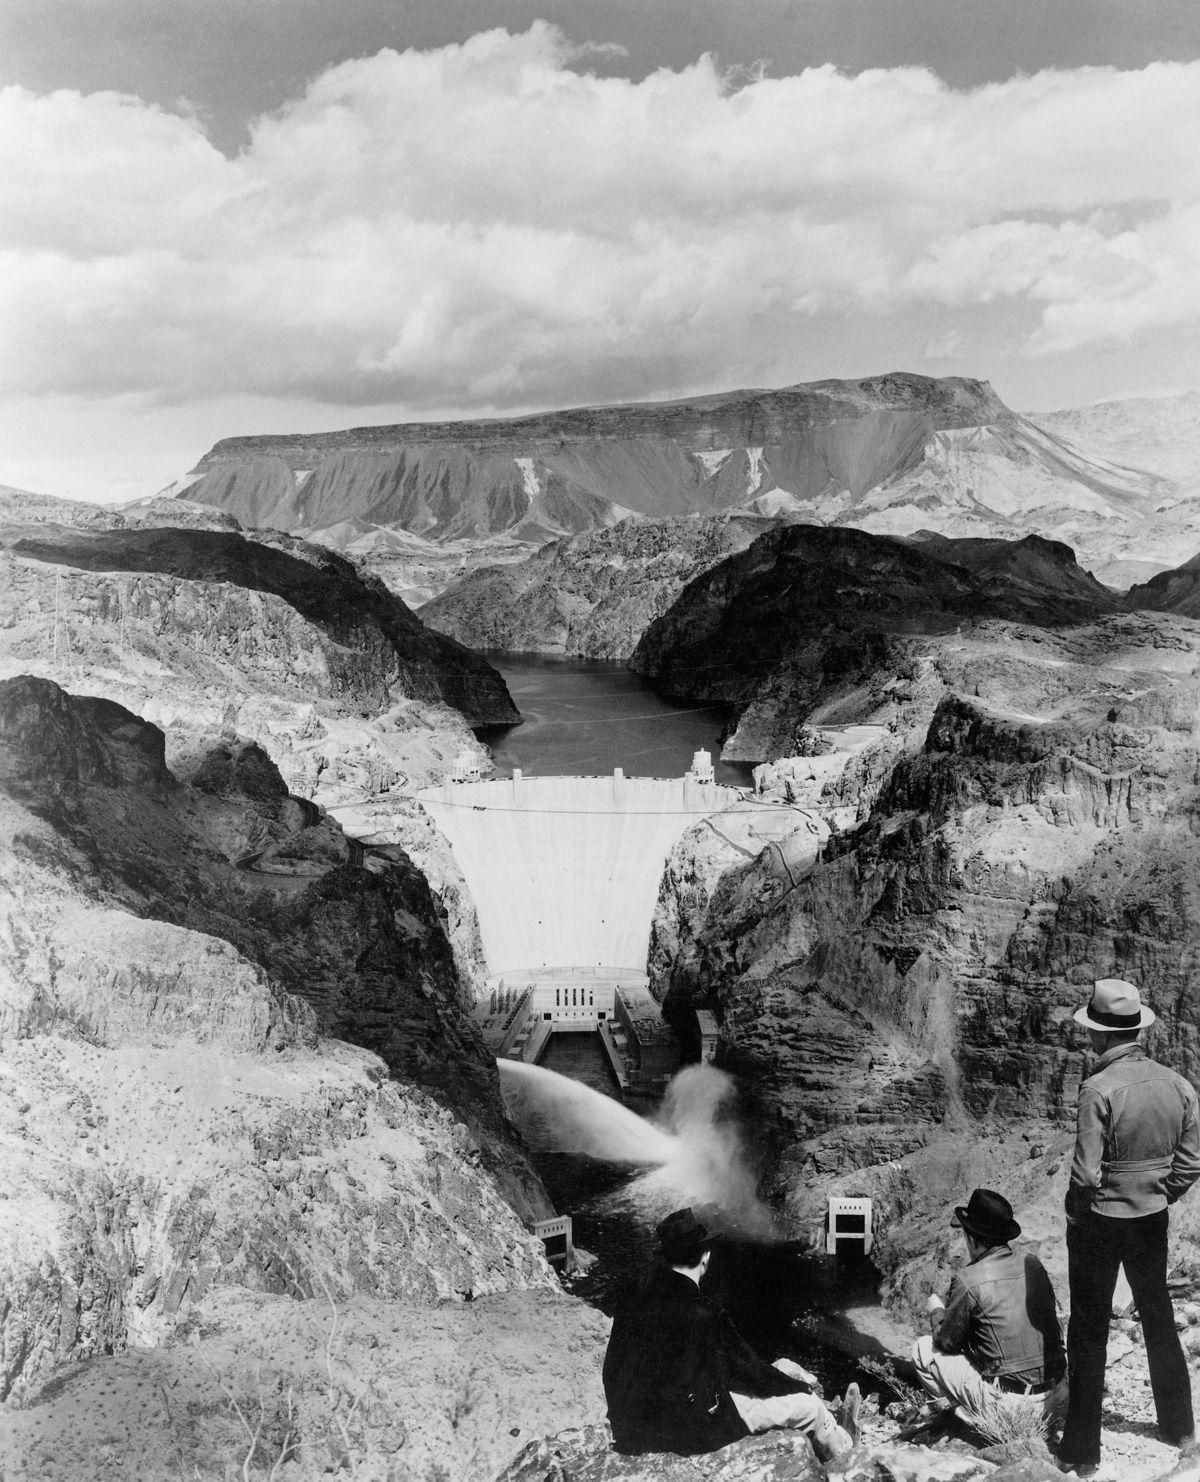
(615, 720)
(576, 812)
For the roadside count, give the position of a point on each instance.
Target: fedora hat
(682, 1239)
(988, 1216)
(1115, 1004)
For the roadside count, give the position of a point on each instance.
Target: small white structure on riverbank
(849, 1228)
(558, 1238)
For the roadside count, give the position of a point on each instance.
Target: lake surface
(584, 717)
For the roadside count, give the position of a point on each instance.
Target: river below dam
(584, 717)
(776, 1294)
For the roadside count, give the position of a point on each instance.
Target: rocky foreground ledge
(585, 1455)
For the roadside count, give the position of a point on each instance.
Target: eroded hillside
(1016, 813)
(233, 1062)
(214, 634)
(893, 453)
(592, 595)
(805, 623)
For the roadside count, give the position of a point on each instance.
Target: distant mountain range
(892, 454)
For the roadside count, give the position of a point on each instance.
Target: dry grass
(907, 1395)
(1012, 1426)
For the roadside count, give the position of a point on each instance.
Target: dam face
(564, 871)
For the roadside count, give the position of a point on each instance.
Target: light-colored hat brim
(1081, 1016)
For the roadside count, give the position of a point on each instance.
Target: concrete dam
(564, 873)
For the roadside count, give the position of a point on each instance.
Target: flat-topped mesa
(749, 416)
(899, 450)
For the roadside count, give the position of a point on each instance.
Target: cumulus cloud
(490, 224)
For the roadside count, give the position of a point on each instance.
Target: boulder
(586, 1455)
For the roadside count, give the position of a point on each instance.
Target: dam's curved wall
(564, 871)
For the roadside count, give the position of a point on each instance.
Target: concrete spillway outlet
(566, 870)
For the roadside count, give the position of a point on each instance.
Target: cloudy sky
(220, 217)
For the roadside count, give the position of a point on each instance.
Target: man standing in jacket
(678, 1376)
(997, 1340)
(1137, 1150)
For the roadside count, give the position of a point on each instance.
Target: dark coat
(672, 1360)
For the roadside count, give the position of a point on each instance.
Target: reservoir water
(583, 717)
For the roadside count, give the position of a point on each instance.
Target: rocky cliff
(229, 1057)
(592, 595)
(898, 1002)
(1176, 590)
(794, 627)
(892, 453)
(214, 634)
(372, 643)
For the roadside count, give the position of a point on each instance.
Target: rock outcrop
(213, 634)
(592, 595)
(1176, 590)
(806, 616)
(891, 453)
(363, 1386)
(899, 1006)
(372, 643)
(585, 1455)
(228, 1055)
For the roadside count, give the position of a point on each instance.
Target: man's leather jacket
(1137, 1145)
(1001, 1315)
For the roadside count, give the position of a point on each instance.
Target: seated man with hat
(1137, 1150)
(997, 1340)
(678, 1376)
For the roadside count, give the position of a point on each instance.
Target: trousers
(802, 1412)
(950, 1376)
(1097, 1246)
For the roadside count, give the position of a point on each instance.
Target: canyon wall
(229, 1057)
(214, 635)
(1013, 811)
(592, 595)
(795, 626)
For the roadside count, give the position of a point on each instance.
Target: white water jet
(692, 1150)
(554, 1111)
(712, 1169)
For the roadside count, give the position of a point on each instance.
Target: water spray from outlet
(692, 1151)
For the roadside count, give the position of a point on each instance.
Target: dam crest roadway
(564, 873)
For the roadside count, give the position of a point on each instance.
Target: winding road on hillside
(311, 815)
